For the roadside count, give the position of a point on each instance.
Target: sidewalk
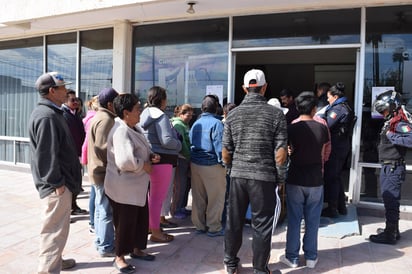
(188, 253)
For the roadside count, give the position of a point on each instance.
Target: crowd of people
(143, 165)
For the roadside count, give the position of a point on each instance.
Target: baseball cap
(254, 74)
(50, 79)
(107, 95)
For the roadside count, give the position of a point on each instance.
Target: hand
(147, 166)
(155, 158)
(60, 190)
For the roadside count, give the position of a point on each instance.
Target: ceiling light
(191, 10)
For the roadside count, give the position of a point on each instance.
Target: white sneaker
(287, 262)
(311, 263)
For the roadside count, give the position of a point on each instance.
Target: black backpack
(346, 129)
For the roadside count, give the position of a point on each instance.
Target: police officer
(395, 137)
(340, 119)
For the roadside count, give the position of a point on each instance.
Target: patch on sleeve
(406, 128)
(333, 115)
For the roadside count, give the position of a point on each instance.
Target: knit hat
(107, 95)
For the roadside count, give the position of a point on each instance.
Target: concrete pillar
(122, 56)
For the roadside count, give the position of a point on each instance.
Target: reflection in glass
(21, 64)
(96, 62)
(370, 187)
(387, 63)
(185, 58)
(61, 56)
(300, 28)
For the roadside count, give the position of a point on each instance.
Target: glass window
(387, 64)
(186, 58)
(62, 55)
(300, 28)
(21, 64)
(370, 188)
(96, 61)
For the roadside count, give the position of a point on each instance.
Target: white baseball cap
(254, 74)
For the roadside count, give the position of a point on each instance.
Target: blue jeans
(91, 206)
(303, 202)
(103, 222)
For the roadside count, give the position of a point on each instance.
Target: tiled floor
(188, 253)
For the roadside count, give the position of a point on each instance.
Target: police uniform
(339, 118)
(392, 150)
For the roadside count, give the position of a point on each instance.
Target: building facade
(133, 45)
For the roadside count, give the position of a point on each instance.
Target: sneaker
(286, 261)
(68, 263)
(91, 230)
(180, 215)
(107, 254)
(200, 231)
(168, 224)
(79, 211)
(187, 211)
(231, 270)
(311, 263)
(216, 234)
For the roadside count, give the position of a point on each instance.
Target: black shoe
(231, 270)
(388, 236)
(127, 269)
(330, 212)
(383, 238)
(168, 224)
(144, 257)
(79, 211)
(397, 233)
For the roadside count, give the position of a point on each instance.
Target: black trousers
(261, 196)
(391, 179)
(334, 190)
(131, 226)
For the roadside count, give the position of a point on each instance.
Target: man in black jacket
(75, 123)
(55, 169)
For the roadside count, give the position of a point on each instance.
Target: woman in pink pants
(165, 142)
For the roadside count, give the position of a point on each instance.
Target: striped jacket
(253, 132)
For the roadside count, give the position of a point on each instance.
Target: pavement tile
(189, 252)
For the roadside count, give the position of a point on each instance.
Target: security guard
(340, 119)
(395, 137)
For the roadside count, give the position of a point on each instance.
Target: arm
(227, 143)
(402, 135)
(165, 134)
(101, 132)
(48, 144)
(281, 149)
(217, 137)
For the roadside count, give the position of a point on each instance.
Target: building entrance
(300, 70)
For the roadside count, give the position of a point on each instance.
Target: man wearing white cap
(55, 169)
(255, 146)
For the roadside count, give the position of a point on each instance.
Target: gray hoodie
(159, 131)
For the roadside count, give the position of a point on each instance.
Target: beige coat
(126, 182)
(100, 126)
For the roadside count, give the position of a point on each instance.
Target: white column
(122, 56)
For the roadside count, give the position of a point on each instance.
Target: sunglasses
(73, 100)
